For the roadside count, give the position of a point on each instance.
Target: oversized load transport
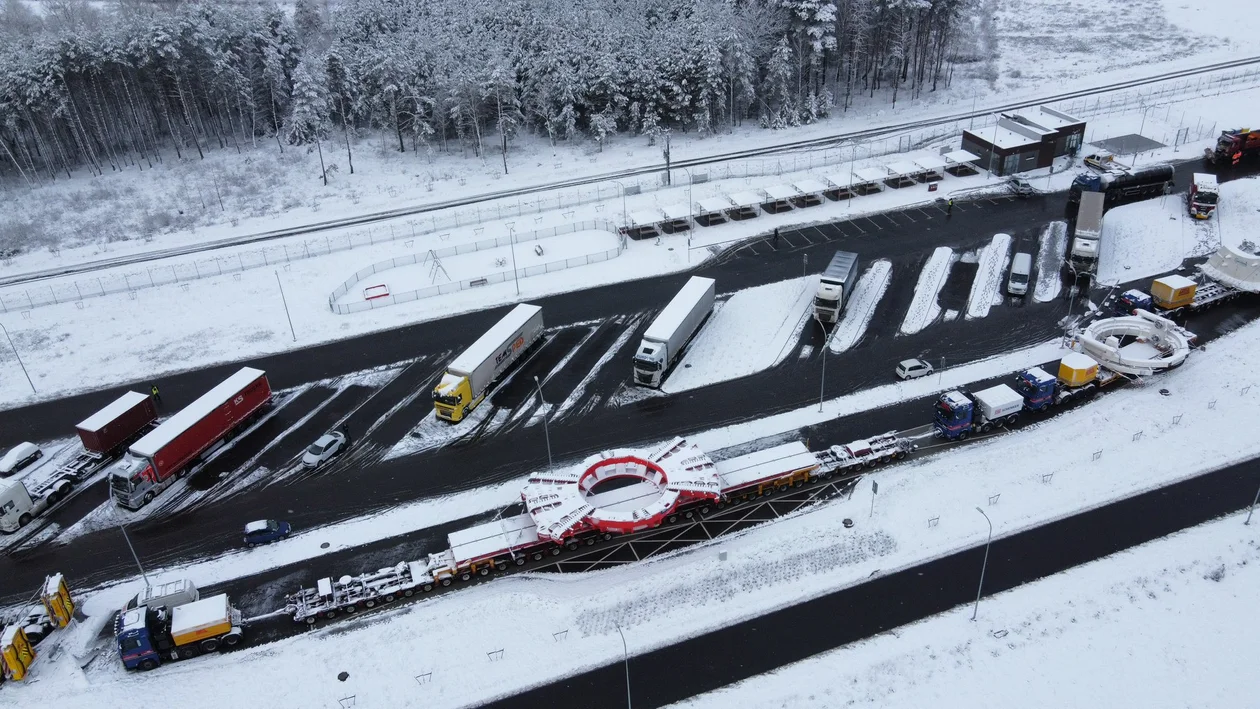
(960, 413)
(1234, 146)
(835, 285)
(104, 435)
(153, 462)
(1114, 186)
(1080, 377)
(147, 637)
(671, 330)
(468, 378)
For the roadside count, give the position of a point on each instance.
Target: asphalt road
(352, 490)
(708, 662)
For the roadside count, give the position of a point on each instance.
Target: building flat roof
(1004, 138)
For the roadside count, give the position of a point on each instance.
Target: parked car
(266, 531)
(22, 455)
(323, 450)
(913, 369)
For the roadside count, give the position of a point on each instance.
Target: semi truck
(1233, 146)
(187, 438)
(1088, 233)
(960, 413)
(103, 437)
(1204, 195)
(1175, 294)
(468, 378)
(835, 286)
(670, 332)
(148, 637)
(1115, 186)
(1079, 377)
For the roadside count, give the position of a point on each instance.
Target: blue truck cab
(1088, 182)
(952, 417)
(1037, 387)
(135, 639)
(1132, 300)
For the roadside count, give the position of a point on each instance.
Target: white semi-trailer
(835, 286)
(671, 330)
(468, 378)
(1088, 233)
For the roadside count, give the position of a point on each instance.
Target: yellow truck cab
(468, 378)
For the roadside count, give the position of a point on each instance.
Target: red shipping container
(104, 431)
(201, 424)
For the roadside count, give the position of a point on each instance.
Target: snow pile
(1152, 237)
(1146, 613)
(1236, 214)
(986, 288)
(754, 330)
(857, 314)
(1050, 251)
(924, 309)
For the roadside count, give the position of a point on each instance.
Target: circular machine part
(1152, 343)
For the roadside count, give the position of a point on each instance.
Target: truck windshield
(1205, 197)
(120, 483)
(944, 411)
(1019, 278)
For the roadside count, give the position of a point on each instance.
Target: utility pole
(983, 566)
(625, 654)
(1253, 506)
(665, 149)
(286, 306)
(512, 241)
(19, 357)
(123, 528)
(546, 433)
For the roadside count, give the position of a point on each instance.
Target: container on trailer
(835, 285)
(107, 429)
(1076, 369)
(207, 618)
(1173, 291)
(999, 401)
(469, 376)
(671, 330)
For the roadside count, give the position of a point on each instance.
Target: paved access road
(760, 645)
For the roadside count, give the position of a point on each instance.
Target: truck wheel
(984, 427)
(483, 571)
(330, 614)
(606, 536)
(147, 665)
(389, 597)
(311, 620)
(520, 561)
(962, 436)
(1012, 419)
(351, 608)
(54, 497)
(555, 551)
(571, 545)
(209, 645)
(446, 581)
(900, 455)
(426, 588)
(24, 520)
(233, 639)
(148, 497)
(370, 603)
(465, 576)
(538, 556)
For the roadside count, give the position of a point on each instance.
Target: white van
(1021, 270)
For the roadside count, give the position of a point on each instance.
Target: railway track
(775, 149)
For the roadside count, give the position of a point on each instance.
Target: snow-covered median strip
(1051, 249)
(924, 309)
(857, 314)
(986, 288)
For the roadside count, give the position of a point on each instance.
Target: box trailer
(468, 378)
(198, 430)
(835, 285)
(1088, 234)
(104, 435)
(671, 330)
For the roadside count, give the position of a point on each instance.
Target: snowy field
(656, 602)
(753, 330)
(1152, 237)
(1126, 629)
(861, 307)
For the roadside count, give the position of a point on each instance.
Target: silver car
(324, 449)
(913, 369)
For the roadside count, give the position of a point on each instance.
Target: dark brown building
(1025, 141)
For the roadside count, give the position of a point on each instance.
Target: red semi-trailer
(155, 461)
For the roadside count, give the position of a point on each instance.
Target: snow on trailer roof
(646, 217)
(198, 615)
(1176, 281)
(489, 539)
(958, 157)
(999, 396)
(1077, 360)
(780, 193)
(676, 212)
(810, 187)
(485, 346)
(870, 174)
(195, 412)
(765, 464)
(746, 199)
(713, 205)
(105, 416)
(674, 313)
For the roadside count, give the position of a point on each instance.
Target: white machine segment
(490, 538)
(1157, 343)
(765, 464)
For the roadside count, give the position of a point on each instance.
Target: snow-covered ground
(986, 289)
(656, 602)
(925, 308)
(1051, 248)
(1161, 625)
(753, 330)
(861, 307)
(1151, 237)
(1235, 217)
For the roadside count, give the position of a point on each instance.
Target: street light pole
(512, 246)
(123, 528)
(625, 654)
(984, 566)
(18, 356)
(546, 433)
(1253, 506)
(625, 218)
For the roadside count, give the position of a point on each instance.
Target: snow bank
(986, 288)
(857, 314)
(924, 309)
(1051, 248)
(1151, 237)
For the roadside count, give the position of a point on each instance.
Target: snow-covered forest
(101, 87)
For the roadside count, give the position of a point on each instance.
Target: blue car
(266, 531)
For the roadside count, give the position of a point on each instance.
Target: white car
(323, 450)
(913, 369)
(22, 455)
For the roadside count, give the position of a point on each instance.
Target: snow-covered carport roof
(781, 193)
(903, 169)
(960, 157)
(840, 182)
(809, 187)
(676, 212)
(746, 199)
(930, 163)
(713, 205)
(646, 217)
(870, 174)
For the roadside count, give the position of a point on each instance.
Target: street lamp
(512, 245)
(18, 356)
(690, 204)
(984, 566)
(625, 218)
(1133, 162)
(546, 433)
(1253, 506)
(123, 528)
(625, 654)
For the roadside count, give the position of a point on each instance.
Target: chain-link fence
(498, 277)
